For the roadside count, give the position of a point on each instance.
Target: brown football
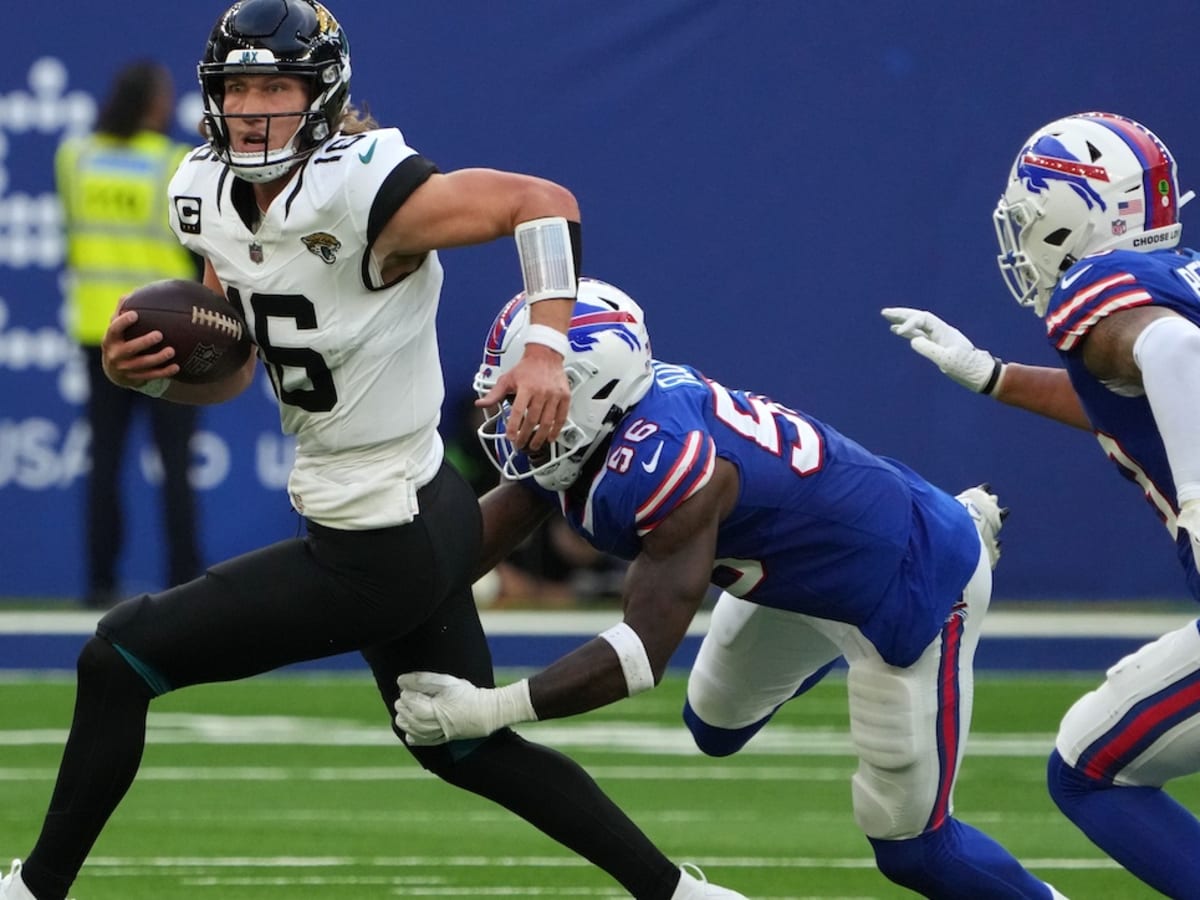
(210, 338)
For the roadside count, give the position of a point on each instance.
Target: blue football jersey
(1098, 286)
(821, 526)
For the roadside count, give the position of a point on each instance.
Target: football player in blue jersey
(824, 550)
(1089, 236)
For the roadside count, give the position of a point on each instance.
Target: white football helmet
(1084, 184)
(608, 369)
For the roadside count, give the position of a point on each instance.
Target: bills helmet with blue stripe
(1081, 185)
(608, 368)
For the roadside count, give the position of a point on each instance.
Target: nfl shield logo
(256, 252)
(1118, 226)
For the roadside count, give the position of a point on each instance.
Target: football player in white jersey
(323, 231)
(1089, 234)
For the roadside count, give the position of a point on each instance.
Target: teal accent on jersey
(148, 673)
(460, 750)
(365, 158)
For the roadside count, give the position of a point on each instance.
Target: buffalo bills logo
(1048, 160)
(590, 320)
(585, 326)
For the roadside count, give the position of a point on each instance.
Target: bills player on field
(1089, 235)
(323, 230)
(824, 551)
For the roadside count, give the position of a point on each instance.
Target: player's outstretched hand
(434, 708)
(540, 397)
(946, 347)
(988, 516)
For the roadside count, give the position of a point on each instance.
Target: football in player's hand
(210, 339)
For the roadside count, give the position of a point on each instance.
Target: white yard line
(1057, 623)
(610, 736)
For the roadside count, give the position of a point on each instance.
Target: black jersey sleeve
(397, 187)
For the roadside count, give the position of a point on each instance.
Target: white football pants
(908, 726)
(1141, 727)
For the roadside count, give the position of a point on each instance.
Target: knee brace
(881, 726)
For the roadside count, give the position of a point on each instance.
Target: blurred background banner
(761, 176)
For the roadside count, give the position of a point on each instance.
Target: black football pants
(400, 595)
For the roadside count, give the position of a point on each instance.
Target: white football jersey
(354, 362)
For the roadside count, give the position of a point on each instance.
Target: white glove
(988, 516)
(434, 708)
(947, 347)
(1189, 518)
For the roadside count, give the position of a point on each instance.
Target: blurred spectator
(463, 449)
(113, 188)
(553, 568)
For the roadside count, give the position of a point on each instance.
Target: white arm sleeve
(1168, 353)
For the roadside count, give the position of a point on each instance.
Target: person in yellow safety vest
(113, 187)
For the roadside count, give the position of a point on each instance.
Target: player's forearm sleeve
(1168, 353)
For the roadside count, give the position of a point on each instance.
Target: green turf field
(291, 786)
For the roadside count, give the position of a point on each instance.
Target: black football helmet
(292, 37)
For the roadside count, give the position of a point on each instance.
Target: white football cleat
(984, 507)
(696, 887)
(12, 886)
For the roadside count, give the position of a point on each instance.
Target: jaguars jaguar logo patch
(324, 245)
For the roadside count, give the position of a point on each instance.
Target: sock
(1142, 828)
(102, 755)
(956, 861)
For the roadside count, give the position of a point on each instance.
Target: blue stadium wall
(762, 176)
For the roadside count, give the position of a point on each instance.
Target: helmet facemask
(608, 370)
(266, 37)
(1036, 247)
(556, 465)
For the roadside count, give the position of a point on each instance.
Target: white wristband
(548, 337)
(513, 705)
(156, 387)
(547, 262)
(632, 654)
